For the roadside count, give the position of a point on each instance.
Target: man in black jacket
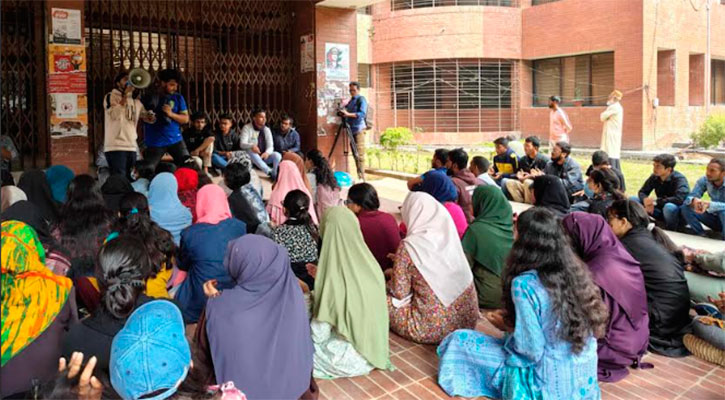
(671, 188)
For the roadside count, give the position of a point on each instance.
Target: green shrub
(711, 133)
(392, 138)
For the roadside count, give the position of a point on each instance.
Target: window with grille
(717, 72)
(397, 5)
(587, 79)
(539, 2)
(467, 84)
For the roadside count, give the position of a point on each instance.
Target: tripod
(347, 136)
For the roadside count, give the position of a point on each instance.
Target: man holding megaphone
(122, 111)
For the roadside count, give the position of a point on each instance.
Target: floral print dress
(424, 319)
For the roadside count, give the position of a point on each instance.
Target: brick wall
(334, 25)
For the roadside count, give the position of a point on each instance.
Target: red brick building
(468, 71)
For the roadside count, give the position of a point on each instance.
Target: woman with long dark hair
(123, 267)
(84, 223)
(620, 279)
(327, 191)
(605, 186)
(136, 221)
(553, 314)
(299, 235)
(668, 299)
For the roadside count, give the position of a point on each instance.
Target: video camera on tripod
(347, 136)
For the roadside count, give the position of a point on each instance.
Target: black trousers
(177, 150)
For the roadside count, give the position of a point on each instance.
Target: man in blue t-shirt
(164, 134)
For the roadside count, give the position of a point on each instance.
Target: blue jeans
(218, 161)
(272, 161)
(670, 213)
(714, 221)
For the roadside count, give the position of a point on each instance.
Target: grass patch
(417, 162)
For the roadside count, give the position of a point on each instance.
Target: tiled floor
(415, 378)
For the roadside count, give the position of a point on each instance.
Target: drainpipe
(708, 64)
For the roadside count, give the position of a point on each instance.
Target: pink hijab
(288, 179)
(459, 218)
(212, 206)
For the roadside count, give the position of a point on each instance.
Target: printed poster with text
(66, 26)
(69, 115)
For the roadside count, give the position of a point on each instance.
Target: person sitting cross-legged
(552, 316)
(431, 291)
(464, 180)
(199, 140)
(256, 139)
(518, 189)
(711, 213)
(671, 188)
(505, 163)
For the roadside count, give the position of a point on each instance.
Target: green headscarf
(490, 236)
(350, 288)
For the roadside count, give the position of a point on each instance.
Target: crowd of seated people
(218, 293)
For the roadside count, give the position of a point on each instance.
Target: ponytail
(297, 204)
(124, 267)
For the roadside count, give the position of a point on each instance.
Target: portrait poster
(337, 62)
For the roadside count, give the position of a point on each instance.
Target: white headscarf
(435, 248)
(11, 195)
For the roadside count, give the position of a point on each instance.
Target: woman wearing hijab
(202, 250)
(59, 176)
(668, 298)
(300, 163)
(437, 184)
(258, 329)
(379, 229)
(56, 258)
(244, 201)
(488, 241)
(35, 187)
(620, 279)
(11, 195)
(288, 179)
(431, 292)
(166, 208)
(549, 192)
(350, 318)
(115, 187)
(37, 309)
(188, 181)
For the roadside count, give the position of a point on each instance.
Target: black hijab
(550, 193)
(36, 188)
(115, 187)
(27, 212)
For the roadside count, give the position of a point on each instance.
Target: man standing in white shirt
(612, 129)
(122, 112)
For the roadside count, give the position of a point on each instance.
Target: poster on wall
(66, 26)
(66, 58)
(337, 62)
(307, 53)
(67, 83)
(68, 115)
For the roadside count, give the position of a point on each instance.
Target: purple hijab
(259, 331)
(619, 275)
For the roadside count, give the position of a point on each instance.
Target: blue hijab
(437, 184)
(166, 208)
(58, 177)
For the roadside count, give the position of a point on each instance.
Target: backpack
(369, 124)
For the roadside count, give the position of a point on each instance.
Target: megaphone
(139, 78)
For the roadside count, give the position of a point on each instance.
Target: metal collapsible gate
(23, 100)
(233, 55)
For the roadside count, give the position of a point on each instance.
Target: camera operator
(354, 114)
